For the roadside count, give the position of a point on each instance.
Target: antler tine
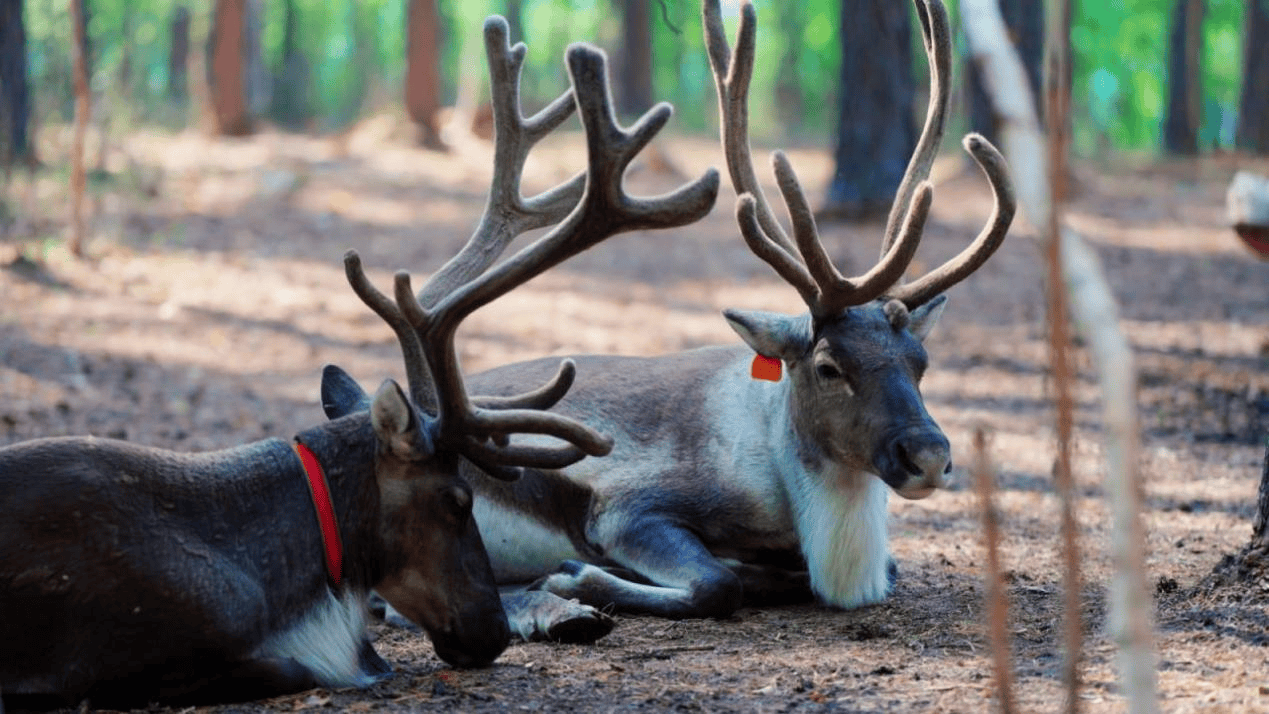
(920, 291)
(605, 208)
(807, 267)
(411, 346)
(543, 397)
(603, 211)
(938, 50)
(835, 292)
(732, 73)
(785, 265)
(507, 213)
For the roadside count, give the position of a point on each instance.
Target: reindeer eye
(827, 370)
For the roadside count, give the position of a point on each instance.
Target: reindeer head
(855, 363)
(442, 578)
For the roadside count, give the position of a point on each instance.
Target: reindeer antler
(804, 264)
(507, 213)
(603, 210)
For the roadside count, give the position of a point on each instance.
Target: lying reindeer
(144, 573)
(721, 489)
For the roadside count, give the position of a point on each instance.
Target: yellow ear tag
(767, 368)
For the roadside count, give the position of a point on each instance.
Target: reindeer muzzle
(477, 643)
(915, 461)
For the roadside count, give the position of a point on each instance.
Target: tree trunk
(227, 76)
(876, 129)
(1025, 22)
(290, 98)
(515, 20)
(1253, 110)
(1185, 91)
(257, 83)
(79, 64)
(178, 56)
(423, 70)
(1260, 527)
(634, 65)
(788, 86)
(15, 89)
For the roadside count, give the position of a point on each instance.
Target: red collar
(320, 491)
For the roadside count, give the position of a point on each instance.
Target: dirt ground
(214, 294)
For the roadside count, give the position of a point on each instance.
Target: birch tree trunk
(1095, 313)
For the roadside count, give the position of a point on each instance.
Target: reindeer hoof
(583, 625)
(539, 616)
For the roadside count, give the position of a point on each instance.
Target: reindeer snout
(920, 460)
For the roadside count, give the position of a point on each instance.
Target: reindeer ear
(770, 334)
(926, 316)
(396, 425)
(341, 395)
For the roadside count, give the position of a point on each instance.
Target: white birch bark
(1096, 315)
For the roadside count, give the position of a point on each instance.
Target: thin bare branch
(1097, 315)
(997, 598)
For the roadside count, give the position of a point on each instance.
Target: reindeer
(144, 573)
(722, 489)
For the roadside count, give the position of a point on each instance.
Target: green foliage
(354, 54)
(1120, 56)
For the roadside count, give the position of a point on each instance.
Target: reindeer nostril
(948, 468)
(905, 460)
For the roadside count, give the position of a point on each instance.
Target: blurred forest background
(1150, 76)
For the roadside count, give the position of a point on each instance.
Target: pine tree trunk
(423, 70)
(515, 20)
(1184, 111)
(1260, 527)
(15, 88)
(178, 56)
(79, 63)
(634, 66)
(1253, 110)
(290, 98)
(788, 86)
(876, 128)
(257, 82)
(1025, 21)
(227, 74)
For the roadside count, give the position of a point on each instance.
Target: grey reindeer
(722, 490)
(148, 574)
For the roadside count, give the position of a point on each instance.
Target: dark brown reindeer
(721, 489)
(132, 573)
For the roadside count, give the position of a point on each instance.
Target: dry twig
(997, 599)
(1096, 315)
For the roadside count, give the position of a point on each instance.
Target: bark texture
(634, 66)
(1253, 109)
(1184, 109)
(227, 72)
(876, 128)
(15, 89)
(1024, 20)
(423, 70)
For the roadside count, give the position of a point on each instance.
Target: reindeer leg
(767, 585)
(686, 579)
(537, 616)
